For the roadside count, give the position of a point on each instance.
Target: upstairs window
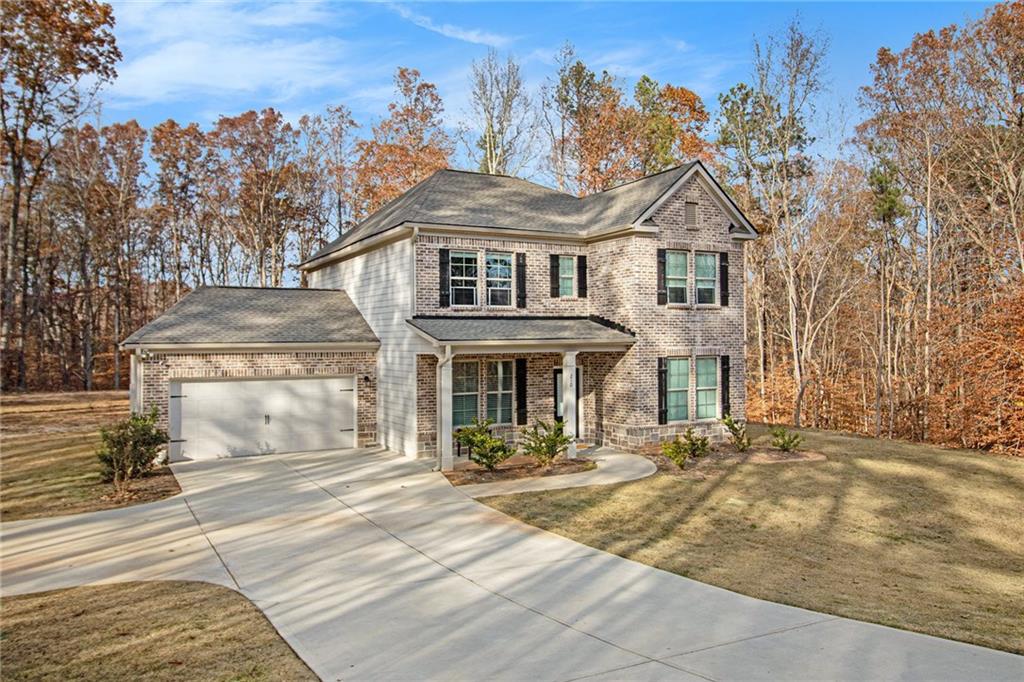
(465, 392)
(677, 390)
(706, 277)
(676, 274)
(463, 277)
(707, 388)
(499, 278)
(499, 391)
(566, 276)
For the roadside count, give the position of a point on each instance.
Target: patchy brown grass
(906, 535)
(48, 464)
(153, 631)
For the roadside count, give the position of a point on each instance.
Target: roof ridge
(511, 177)
(243, 286)
(636, 180)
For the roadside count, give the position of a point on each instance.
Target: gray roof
(450, 197)
(244, 315)
(470, 329)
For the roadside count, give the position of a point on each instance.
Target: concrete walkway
(372, 567)
(612, 467)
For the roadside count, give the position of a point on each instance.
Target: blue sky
(194, 61)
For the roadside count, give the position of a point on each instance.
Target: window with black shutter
(581, 276)
(554, 275)
(444, 288)
(724, 368)
(662, 391)
(662, 290)
(521, 391)
(723, 278)
(520, 280)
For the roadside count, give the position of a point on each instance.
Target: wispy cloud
(469, 35)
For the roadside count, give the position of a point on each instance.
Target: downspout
(412, 269)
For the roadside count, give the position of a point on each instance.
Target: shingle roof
(244, 315)
(469, 329)
(450, 197)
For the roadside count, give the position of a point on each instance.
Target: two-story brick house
(472, 295)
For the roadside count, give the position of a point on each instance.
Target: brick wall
(538, 276)
(163, 368)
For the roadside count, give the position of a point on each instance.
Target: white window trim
(476, 400)
(511, 391)
(572, 276)
(475, 280)
(717, 389)
(689, 394)
(714, 279)
(686, 280)
(510, 279)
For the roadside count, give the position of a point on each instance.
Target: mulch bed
(156, 485)
(511, 471)
(724, 455)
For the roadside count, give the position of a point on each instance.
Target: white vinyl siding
(498, 271)
(706, 281)
(678, 389)
(465, 392)
(676, 275)
(378, 284)
(499, 391)
(707, 388)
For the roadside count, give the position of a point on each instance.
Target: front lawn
(906, 535)
(153, 631)
(48, 464)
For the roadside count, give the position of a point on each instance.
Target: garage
(236, 371)
(214, 419)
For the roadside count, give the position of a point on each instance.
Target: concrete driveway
(372, 567)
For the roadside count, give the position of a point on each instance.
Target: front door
(558, 397)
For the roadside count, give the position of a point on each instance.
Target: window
(691, 214)
(676, 273)
(499, 278)
(463, 277)
(566, 273)
(707, 270)
(707, 388)
(678, 389)
(499, 391)
(465, 392)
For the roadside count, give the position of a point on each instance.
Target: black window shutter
(726, 408)
(723, 278)
(581, 276)
(554, 275)
(662, 290)
(521, 391)
(445, 288)
(520, 280)
(662, 391)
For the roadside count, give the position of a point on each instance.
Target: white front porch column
(134, 385)
(444, 410)
(569, 400)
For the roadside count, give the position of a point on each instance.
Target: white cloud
(469, 35)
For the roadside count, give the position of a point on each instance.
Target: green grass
(902, 534)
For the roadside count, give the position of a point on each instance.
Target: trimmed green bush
(692, 445)
(676, 451)
(737, 433)
(544, 442)
(785, 440)
(129, 448)
(484, 448)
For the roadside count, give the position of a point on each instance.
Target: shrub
(484, 448)
(737, 433)
(785, 440)
(676, 451)
(129, 448)
(544, 442)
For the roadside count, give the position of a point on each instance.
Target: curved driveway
(373, 567)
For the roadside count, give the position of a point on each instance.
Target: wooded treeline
(885, 295)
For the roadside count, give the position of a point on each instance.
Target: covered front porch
(514, 371)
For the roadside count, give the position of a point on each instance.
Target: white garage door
(211, 419)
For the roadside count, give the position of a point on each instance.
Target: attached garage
(235, 372)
